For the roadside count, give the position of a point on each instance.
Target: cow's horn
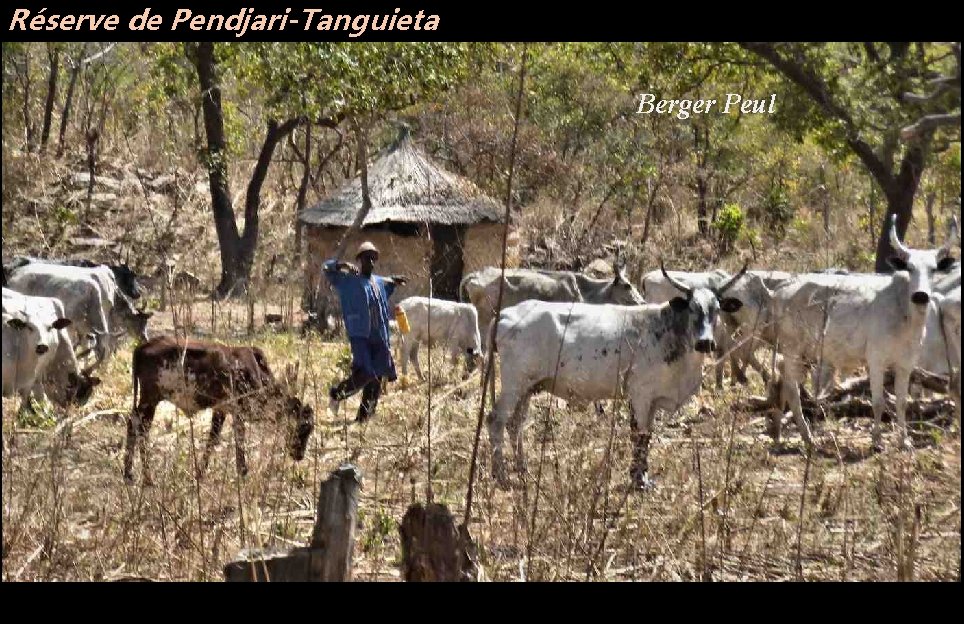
(722, 289)
(676, 283)
(902, 252)
(952, 235)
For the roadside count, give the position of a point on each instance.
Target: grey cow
(481, 288)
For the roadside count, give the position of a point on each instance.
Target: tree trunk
(53, 52)
(224, 224)
(248, 243)
(899, 191)
(68, 100)
(237, 249)
(328, 557)
(929, 209)
(302, 196)
(27, 121)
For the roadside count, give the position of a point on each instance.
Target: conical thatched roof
(407, 187)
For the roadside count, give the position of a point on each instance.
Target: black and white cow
(654, 353)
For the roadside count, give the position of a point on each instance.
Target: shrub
(729, 225)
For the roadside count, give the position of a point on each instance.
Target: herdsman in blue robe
(364, 305)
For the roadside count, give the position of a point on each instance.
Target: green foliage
(776, 211)
(41, 416)
(380, 526)
(729, 225)
(343, 361)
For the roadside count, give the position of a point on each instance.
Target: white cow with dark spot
(732, 338)
(652, 353)
(847, 321)
(38, 354)
(453, 324)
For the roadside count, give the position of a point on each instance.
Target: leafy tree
(853, 97)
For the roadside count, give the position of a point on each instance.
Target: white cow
(452, 323)
(653, 353)
(846, 321)
(92, 300)
(38, 355)
(941, 353)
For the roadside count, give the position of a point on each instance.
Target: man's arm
(333, 270)
(392, 282)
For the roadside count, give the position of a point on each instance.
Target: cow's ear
(946, 264)
(17, 324)
(144, 314)
(94, 381)
(730, 304)
(898, 264)
(679, 304)
(61, 323)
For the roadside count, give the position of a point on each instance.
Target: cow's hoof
(906, 444)
(128, 478)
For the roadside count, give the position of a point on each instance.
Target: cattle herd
(576, 337)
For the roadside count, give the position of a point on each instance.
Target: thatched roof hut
(428, 223)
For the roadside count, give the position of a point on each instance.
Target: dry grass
(68, 515)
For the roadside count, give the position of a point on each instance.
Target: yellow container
(402, 320)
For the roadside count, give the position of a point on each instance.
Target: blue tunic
(364, 305)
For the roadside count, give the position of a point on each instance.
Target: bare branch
(928, 123)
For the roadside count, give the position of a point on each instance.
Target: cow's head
(80, 387)
(301, 422)
(755, 300)
(126, 280)
(134, 320)
(702, 306)
(921, 264)
(623, 291)
(39, 335)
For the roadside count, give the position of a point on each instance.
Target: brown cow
(195, 375)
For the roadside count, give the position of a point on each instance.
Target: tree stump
(433, 548)
(329, 555)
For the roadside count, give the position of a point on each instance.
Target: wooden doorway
(448, 241)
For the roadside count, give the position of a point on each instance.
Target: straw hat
(366, 246)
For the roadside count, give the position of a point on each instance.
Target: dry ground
(68, 515)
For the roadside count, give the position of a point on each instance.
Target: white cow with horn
(653, 353)
(847, 321)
